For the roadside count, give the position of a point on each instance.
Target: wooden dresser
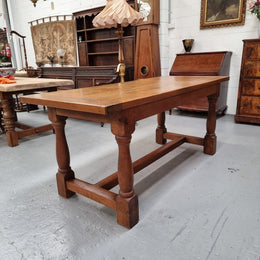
(204, 63)
(100, 46)
(248, 101)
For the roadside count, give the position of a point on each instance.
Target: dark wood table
(24, 85)
(121, 105)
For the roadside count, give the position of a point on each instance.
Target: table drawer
(251, 69)
(251, 87)
(250, 105)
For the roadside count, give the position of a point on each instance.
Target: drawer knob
(258, 106)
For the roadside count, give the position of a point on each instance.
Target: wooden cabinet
(147, 57)
(206, 63)
(248, 101)
(99, 46)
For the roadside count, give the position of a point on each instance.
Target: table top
(23, 83)
(120, 96)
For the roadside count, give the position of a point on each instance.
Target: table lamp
(118, 14)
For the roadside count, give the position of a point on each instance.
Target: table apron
(156, 107)
(81, 115)
(140, 112)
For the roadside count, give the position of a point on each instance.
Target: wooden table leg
(126, 201)
(161, 129)
(62, 152)
(210, 139)
(9, 117)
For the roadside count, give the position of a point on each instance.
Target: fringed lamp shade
(117, 12)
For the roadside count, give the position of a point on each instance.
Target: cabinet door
(147, 56)
(129, 49)
(83, 57)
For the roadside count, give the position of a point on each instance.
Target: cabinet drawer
(252, 50)
(250, 105)
(84, 83)
(251, 69)
(251, 87)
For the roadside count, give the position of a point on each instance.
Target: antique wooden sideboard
(248, 101)
(206, 64)
(85, 76)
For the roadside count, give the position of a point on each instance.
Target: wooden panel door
(147, 56)
(83, 57)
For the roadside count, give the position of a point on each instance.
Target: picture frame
(222, 13)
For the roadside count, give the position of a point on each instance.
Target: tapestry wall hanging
(51, 35)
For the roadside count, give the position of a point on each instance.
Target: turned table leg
(210, 139)
(62, 153)
(126, 201)
(9, 117)
(161, 129)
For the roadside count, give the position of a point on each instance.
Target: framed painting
(222, 13)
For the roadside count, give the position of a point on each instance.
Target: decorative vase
(187, 44)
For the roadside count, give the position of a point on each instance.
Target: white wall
(185, 23)
(2, 17)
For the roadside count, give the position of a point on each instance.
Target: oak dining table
(122, 105)
(24, 85)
